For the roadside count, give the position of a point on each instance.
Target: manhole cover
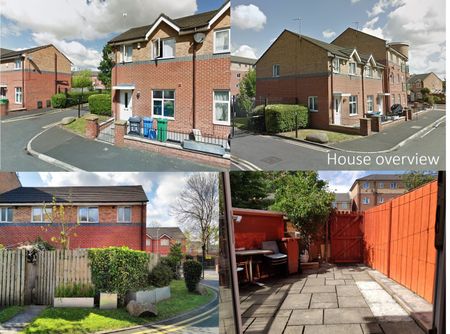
(271, 160)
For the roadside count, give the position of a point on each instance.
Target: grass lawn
(79, 125)
(333, 137)
(82, 320)
(8, 312)
(241, 122)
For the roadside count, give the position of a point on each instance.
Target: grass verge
(333, 137)
(79, 125)
(83, 320)
(9, 312)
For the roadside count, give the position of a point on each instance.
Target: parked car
(397, 110)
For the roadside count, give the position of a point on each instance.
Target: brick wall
(156, 246)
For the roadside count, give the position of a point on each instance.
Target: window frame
(164, 239)
(215, 43)
(127, 59)
(315, 102)
(380, 199)
(42, 214)
(366, 185)
(7, 209)
(163, 99)
(18, 61)
(350, 63)
(119, 220)
(372, 98)
(393, 185)
(381, 185)
(88, 208)
(368, 71)
(276, 70)
(344, 205)
(355, 103)
(228, 102)
(336, 69)
(18, 93)
(160, 48)
(366, 200)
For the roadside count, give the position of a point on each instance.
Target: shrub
(281, 117)
(118, 269)
(72, 290)
(259, 110)
(100, 104)
(192, 274)
(59, 101)
(173, 265)
(160, 276)
(42, 244)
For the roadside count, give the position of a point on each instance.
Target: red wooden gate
(346, 237)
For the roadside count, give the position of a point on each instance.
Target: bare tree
(197, 207)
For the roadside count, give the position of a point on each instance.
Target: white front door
(337, 106)
(380, 104)
(126, 104)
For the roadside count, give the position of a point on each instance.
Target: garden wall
(399, 239)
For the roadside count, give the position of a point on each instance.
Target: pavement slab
(260, 311)
(333, 329)
(318, 288)
(315, 281)
(293, 329)
(293, 302)
(306, 317)
(348, 291)
(371, 328)
(335, 282)
(352, 301)
(348, 316)
(408, 327)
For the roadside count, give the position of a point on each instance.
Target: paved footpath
(21, 320)
(334, 301)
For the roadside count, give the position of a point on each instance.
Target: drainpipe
(23, 82)
(56, 73)
(332, 94)
(194, 60)
(363, 92)
(143, 226)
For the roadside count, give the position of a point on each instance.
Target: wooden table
(250, 253)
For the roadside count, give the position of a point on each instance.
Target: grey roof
(184, 23)
(381, 177)
(342, 197)
(420, 77)
(82, 194)
(243, 60)
(173, 232)
(5, 53)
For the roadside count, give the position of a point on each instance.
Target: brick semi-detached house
(177, 69)
(340, 85)
(159, 239)
(108, 215)
(29, 78)
(417, 82)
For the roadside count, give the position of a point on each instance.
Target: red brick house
(159, 239)
(239, 69)
(9, 181)
(176, 69)
(30, 77)
(107, 215)
(339, 85)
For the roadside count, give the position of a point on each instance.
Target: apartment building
(160, 239)
(29, 78)
(176, 69)
(417, 82)
(239, 69)
(392, 55)
(107, 215)
(342, 202)
(340, 85)
(372, 190)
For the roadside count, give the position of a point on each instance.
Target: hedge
(192, 271)
(281, 117)
(160, 276)
(100, 104)
(74, 290)
(118, 269)
(59, 100)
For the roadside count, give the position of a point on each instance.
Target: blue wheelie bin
(148, 126)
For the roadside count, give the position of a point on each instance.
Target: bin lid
(134, 119)
(162, 120)
(148, 119)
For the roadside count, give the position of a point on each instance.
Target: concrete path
(334, 300)
(20, 321)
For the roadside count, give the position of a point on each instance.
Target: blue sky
(81, 30)
(256, 23)
(162, 189)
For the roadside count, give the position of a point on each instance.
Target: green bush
(75, 95)
(59, 101)
(160, 276)
(281, 117)
(100, 104)
(192, 274)
(259, 110)
(72, 290)
(118, 269)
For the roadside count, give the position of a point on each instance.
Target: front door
(337, 106)
(126, 110)
(380, 104)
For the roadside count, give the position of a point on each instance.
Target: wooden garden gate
(346, 237)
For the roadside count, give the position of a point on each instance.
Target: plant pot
(304, 258)
(73, 302)
(151, 296)
(108, 300)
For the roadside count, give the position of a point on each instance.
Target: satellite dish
(199, 37)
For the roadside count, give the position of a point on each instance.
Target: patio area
(330, 300)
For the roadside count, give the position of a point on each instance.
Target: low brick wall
(345, 129)
(4, 110)
(105, 124)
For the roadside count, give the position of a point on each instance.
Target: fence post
(389, 241)
(296, 125)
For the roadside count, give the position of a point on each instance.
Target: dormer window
(352, 68)
(127, 53)
(18, 64)
(336, 65)
(164, 48)
(369, 71)
(222, 41)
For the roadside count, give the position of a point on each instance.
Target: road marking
(431, 130)
(51, 125)
(244, 164)
(24, 118)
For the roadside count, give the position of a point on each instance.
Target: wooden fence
(399, 239)
(22, 283)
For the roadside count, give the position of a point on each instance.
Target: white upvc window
(368, 71)
(41, 214)
(344, 206)
(334, 205)
(148, 242)
(6, 215)
(88, 214)
(164, 242)
(366, 200)
(312, 103)
(221, 107)
(380, 199)
(222, 41)
(163, 103)
(164, 48)
(276, 70)
(18, 95)
(381, 185)
(18, 64)
(336, 65)
(369, 103)
(393, 185)
(352, 68)
(127, 53)
(124, 214)
(353, 105)
(365, 185)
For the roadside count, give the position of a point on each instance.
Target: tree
(247, 91)
(198, 206)
(82, 80)
(415, 179)
(250, 190)
(305, 199)
(106, 66)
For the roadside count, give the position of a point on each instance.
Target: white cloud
(371, 23)
(378, 32)
(382, 5)
(328, 33)
(248, 17)
(340, 182)
(245, 51)
(355, 1)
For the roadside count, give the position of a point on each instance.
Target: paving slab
(284, 313)
(278, 324)
(318, 288)
(260, 311)
(335, 282)
(389, 311)
(408, 327)
(369, 286)
(348, 316)
(246, 322)
(371, 328)
(293, 329)
(333, 329)
(348, 291)
(353, 301)
(293, 302)
(270, 300)
(315, 281)
(259, 326)
(324, 297)
(306, 317)
(377, 296)
(350, 282)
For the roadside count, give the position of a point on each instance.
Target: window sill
(164, 117)
(221, 123)
(352, 115)
(313, 110)
(221, 52)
